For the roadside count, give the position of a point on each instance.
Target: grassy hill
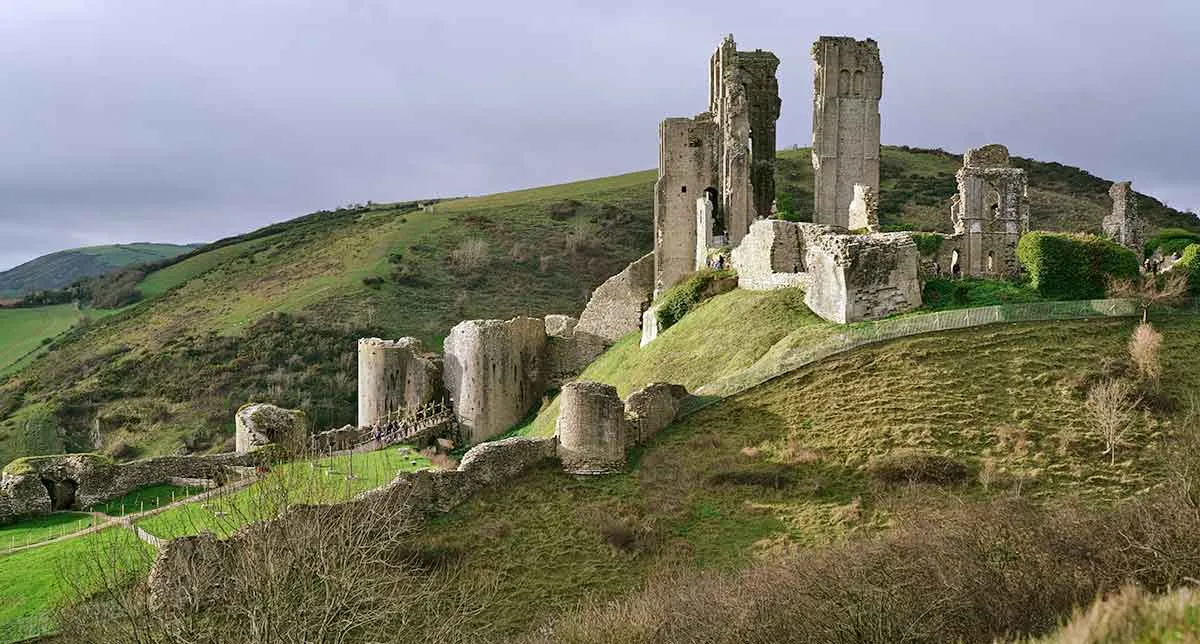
(57, 270)
(273, 315)
(782, 513)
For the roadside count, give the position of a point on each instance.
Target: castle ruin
(847, 86)
(1122, 225)
(716, 172)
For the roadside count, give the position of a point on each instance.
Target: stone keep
(848, 83)
(259, 424)
(394, 374)
(725, 155)
(592, 431)
(494, 373)
(1123, 224)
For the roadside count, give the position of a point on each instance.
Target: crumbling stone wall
(615, 308)
(989, 213)
(847, 86)
(771, 257)
(864, 209)
(845, 278)
(861, 277)
(727, 152)
(191, 571)
(595, 429)
(395, 374)
(37, 485)
(1123, 224)
(568, 349)
(495, 373)
(259, 424)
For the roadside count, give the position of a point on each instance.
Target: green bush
(1072, 266)
(684, 296)
(1171, 241)
(942, 293)
(1189, 262)
(928, 244)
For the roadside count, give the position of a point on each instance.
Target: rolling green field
(22, 331)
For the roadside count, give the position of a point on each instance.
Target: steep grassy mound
(168, 373)
(57, 270)
(809, 459)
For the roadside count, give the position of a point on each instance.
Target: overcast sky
(189, 120)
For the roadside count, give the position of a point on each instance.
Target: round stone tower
(394, 374)
(592, 430)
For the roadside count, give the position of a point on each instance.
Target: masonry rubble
(259, 424)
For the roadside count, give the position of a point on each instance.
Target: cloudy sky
(189, 120)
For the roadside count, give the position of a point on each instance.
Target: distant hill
(60, 269)
(273, 315)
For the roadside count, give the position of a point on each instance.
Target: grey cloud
(187, 120)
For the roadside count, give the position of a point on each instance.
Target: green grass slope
(57, 270)
(786, 465)
(272, 315)
(23, 331)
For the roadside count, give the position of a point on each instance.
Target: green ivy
(928, 244)
(1072, 266)
(685, 296)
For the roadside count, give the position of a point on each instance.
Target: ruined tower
(989, 213)
(1123, 224)
(717, 169)
(848, 83)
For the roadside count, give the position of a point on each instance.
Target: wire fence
(860, 334)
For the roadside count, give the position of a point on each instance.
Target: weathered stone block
(770, 257)
(861, 277)
(652, 408)
(592, 431)
(494, 373)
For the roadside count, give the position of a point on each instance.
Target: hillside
(60, 269)
(273, 315)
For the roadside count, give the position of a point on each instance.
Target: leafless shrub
(1152, 290)
(1110, 406)
(1145, 346)
(324, 574)
(471, 256)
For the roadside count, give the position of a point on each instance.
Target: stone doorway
(62, 493)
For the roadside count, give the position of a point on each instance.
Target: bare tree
(1110, 405)
(1145, 345)
(1152, 290)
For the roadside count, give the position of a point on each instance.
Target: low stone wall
(771, 256)
(41, 484)
(335, 440)
(189, 571)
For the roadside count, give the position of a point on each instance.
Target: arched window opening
(955, 269)
(989, 262)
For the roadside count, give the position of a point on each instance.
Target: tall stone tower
(1123, 224)
(716, 169)
(848, 83)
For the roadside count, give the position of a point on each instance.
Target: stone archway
(62, 493)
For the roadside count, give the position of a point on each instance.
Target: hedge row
(1171, 241)
(1072, 266)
